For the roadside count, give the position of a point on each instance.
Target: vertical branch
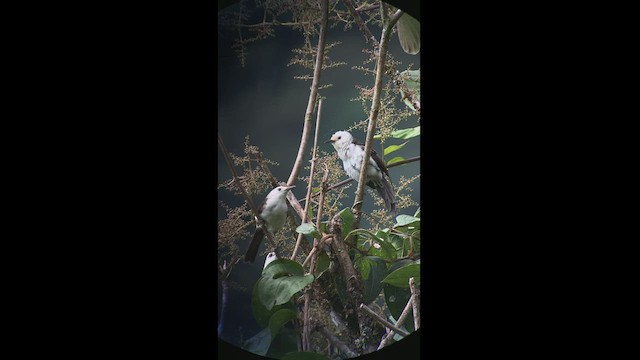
(375, 108)
(313, 255)
(313, 95)
(415, 296)
(310, 184)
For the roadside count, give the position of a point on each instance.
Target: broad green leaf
(310, 213)
(259, 343)
(402, 220)
(409, 34)
(363, 265)
(378, 246)
(411, 78)
(373, 269)
(278, 319)
(406, 133)
(280, 281)
(388, 150)
(323, 264)
(395, 160)
(300, 355)
(283, 266)
(309, 229)
(400, 277)
(284, 342)
(260, 312)
(347, 220)
(396, 298)
(417, 214)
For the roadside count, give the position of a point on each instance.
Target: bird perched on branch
(272, 213)
(351, 152)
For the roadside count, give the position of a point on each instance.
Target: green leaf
(409, 34)
(372, 269)
(395, 160)
(388, 150)
(417, 214)
(347, 220)
(260, 312)
(278, 320)
(259, 343)
(363, 265)
(396, 298)
(406, 133)
(310, 213)
(400, 277)
(284, 342)
(402, 220)
(303, 355)
(309, 229)
(411, 78)
(378, 246)
(322, 264)
(280, 281)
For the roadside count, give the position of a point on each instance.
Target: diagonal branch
(368, 36)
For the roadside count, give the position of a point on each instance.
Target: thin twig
(368, 36)
(313, 95)
(382, 321)
(310, 184)
(415, 296)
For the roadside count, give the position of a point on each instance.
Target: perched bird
(272, 213)
(351, 152)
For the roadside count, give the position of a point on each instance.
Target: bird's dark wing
(375, 157)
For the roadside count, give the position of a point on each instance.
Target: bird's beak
(289, 187)
(329, 141)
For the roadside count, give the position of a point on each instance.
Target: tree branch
(310, 184)
(382, 321)
(368, 36)
(375, 108)
(415, 297)
(313, 95)
(399, 322)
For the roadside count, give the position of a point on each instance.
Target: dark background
(114, 146)
(264, 101)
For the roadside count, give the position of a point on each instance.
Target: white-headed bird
(351, 152)
(272, 213)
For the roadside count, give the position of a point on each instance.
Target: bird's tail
(252, 251)
(386, 193)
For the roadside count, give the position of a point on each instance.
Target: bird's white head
(270, 257)
(340, 139)
(280, 192)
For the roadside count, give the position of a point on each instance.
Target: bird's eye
(339, 137)
(279, 189)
